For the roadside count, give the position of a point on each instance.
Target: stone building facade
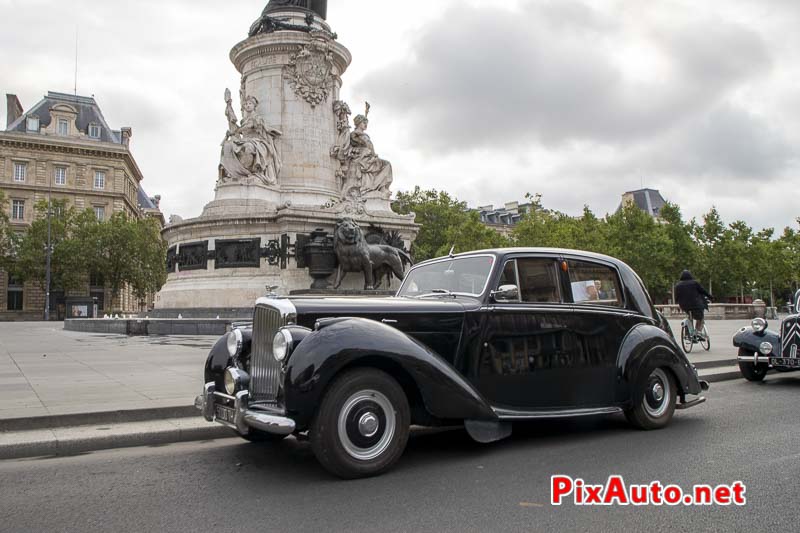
(63, 148)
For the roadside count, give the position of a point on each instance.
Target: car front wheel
(750, 371)
(655, 404)
(361, 427)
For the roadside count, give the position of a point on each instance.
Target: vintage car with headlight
(762, 349)
(480, 339)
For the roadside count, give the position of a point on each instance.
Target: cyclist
(693, 299)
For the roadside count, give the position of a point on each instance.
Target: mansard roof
(88, 112)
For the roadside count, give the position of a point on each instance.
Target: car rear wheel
(654, 404)
(686, 339)
(361, 428)
(751, 371)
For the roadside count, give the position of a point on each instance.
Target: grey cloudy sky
(488, 99)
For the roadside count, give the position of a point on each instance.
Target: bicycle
(689, 336)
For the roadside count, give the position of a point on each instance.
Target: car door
(526, 343)
(599, 321)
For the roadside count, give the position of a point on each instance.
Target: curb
(64, 435)
(103, 417)
(81, 439)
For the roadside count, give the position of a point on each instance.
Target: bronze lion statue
(356, 255)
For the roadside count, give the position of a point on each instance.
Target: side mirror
(506, 293)
(797, 302)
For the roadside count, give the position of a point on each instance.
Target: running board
(686, 405)
(509, 414)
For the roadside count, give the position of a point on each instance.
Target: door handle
(389, 321)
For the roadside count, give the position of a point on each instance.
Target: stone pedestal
(253, 233)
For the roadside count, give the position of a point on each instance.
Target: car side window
(537, 279)
(595, 284)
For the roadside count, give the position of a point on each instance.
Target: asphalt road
(445, 482)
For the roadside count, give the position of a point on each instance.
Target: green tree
(7, 236)
(147, 273)
(684, 248)
(645, 245)
(127, 252)
(446, 223)
(712, 238)
(67, 267)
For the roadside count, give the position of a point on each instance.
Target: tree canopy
(732, 260)
(123, 251)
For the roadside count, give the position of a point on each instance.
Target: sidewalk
(66, 392)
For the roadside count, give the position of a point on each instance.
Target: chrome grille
(790, 337)
(265, 371)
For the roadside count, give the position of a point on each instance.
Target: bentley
(481, 339)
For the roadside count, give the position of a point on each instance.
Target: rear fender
(324, 353)
(647, 345)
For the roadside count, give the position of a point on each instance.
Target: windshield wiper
(437, 292)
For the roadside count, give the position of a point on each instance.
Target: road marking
(529, 504)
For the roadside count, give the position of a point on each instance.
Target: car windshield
(466, 275)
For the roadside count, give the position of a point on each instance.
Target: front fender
(644, 345)
(355, 341)
(219, 359)
(750, 340)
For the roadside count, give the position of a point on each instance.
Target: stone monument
(292, 167)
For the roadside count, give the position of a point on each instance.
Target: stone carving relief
(249, 151)
(362, 174)
(310, 71)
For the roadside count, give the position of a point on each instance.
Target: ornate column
(291, 73)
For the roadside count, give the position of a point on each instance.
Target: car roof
(501, 252)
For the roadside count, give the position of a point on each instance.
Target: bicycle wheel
(686, 339)
(705, 340)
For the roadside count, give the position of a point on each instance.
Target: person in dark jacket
(693, 299)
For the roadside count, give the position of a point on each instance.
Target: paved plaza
(45, 370)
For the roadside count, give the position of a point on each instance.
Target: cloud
(551, 73)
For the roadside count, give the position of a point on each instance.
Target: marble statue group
(362, 172)
(249, 150)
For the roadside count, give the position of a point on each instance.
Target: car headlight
(765, 348)
(282, 345)
(236, 380)
(234, 342)
(759, 325)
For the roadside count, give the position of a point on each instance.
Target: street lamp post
(47, 257)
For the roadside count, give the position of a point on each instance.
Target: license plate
(223, 413)
(795, 363)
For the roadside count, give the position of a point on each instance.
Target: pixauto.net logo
(616, 492)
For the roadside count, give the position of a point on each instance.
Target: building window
(94, 131)
(18, 209)
(32, 124)
(61, 175)
(100, 212)
(15, 294)
(20, 171)
(63, 126)
(99, 179)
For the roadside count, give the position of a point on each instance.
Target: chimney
(13, 109)
(127, 133)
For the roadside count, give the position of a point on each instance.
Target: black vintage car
(481, 339)
(762, 349)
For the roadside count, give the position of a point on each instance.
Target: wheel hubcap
(366, 425)
(658, 394)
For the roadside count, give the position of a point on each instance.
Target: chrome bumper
(756, 358)
(244, 418)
